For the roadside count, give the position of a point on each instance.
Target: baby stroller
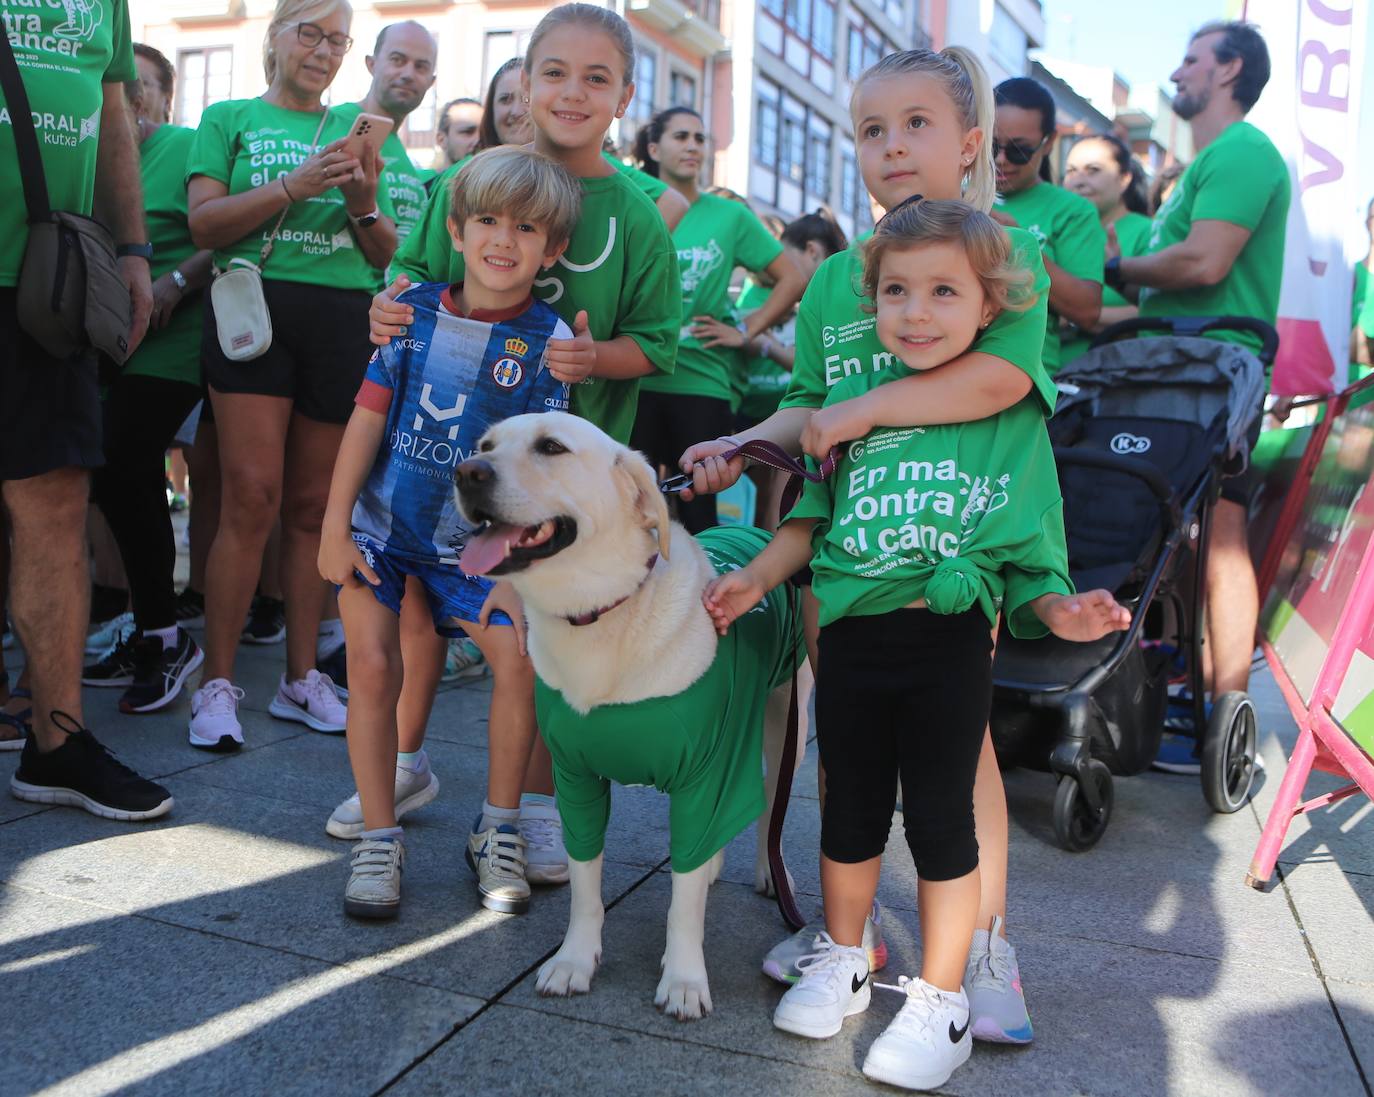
(1144, 431)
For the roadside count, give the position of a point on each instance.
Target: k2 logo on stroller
(1130, 443)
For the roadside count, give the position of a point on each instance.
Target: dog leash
(774, 457)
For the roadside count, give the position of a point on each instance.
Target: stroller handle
(1194, 325)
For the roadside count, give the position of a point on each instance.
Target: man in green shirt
(73, 73)
(1216, 249)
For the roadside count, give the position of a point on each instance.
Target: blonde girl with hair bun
(923, 123)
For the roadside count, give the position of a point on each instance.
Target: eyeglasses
(310, 35)
(1018, 152)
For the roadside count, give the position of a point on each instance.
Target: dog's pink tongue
(488, 549)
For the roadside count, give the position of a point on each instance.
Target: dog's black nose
(475, 471)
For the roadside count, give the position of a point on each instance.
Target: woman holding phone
(280, 417)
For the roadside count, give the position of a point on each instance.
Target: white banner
(1319, 51)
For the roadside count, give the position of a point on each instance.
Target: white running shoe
(992, 981)
(215, 716)
(110, 634)
(781, 961)
(414, 789)
(833, 985)
(463, 660)
(310, 701)
(497, 856)
(374, 880)
(926, 1042)
(546, 859)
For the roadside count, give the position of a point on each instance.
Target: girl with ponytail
(923, 123)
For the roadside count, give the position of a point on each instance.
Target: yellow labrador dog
(634, 685)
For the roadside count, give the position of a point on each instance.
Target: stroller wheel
(1076, 824)
(1228, 752)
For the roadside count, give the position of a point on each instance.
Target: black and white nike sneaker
(926, 1042)
(159, 672)
(833, 985)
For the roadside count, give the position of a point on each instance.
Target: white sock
(330, 638)
(168, 636)
(494, 817)
(413, 760)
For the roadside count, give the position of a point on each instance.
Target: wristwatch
(178, 279)
(367, 220)
(138, 251)
(1111, 272)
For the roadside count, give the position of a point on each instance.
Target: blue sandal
(20, 721)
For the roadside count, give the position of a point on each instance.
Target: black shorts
(1241, 489)
(318, 355)
(667, 423)
(49, 410)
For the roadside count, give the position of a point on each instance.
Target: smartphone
(366, 135)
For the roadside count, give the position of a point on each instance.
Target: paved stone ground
(208, 953)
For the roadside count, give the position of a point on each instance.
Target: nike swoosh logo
(857, 983)
(957, 1034)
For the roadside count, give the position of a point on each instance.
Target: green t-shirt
(837, 338)
(653, 188)
(1070, 234)
(403, 181)
(759, 382)
(244, 143)
(1133, 234)
(714, 237)
(620, 267)
(173, 353)
(962, 514)
(65, 52)
(1239, 178)
(701, 746)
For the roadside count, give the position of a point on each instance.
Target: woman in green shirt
(146, 404)
(1071, 237)
(281, 416)
(1101, 169)
(714, 237)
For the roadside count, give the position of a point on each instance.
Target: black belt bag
(70, 296)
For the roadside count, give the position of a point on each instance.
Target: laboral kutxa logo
(507, 371)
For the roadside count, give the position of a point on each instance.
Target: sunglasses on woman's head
(311, 35)
(1018, 152)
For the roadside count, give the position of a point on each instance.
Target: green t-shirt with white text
(246, 143)
(65, 52)
(961, 514)
(404, 182)
(714, 237)
(620, 266)
(1133, 234)
(1241, 179)
(172, 352)
(836, 337)
(1070, 234)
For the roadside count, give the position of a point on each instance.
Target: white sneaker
(833, 985)
(374, 881)
(546, 859)
(215, 716)
(926, 1042)
(497, 856)
(310, 701)
(414, 789)
(110, 634)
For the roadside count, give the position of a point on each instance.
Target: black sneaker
(190, 609)
(159, 672)
(114, 668)
(266, 621)
(83, 774)
(335, 664)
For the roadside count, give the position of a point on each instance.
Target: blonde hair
(587, 15)
(521, 183)
(290, 12)
(919, 223)
(965, 81)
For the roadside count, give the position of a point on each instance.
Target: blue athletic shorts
(453, 597)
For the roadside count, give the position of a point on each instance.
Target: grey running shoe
(992, 982)
(781, 962)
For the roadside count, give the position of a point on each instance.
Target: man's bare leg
(1232, 599)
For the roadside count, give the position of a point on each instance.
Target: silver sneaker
(498, 858)
(414, 789)
(992, 982)
(781, 962)
(546, 858)
(374, 882)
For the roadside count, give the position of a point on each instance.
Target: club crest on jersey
(517, 346)
(507, 372)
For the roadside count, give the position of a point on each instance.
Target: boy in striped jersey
(474, 355)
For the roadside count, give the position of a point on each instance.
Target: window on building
(421, 123)
(645, 103)
(818, 158)
(793, 150)
(854, 204)
(766, 127)
(1008, 41)
(500, 47)
(682, 90)
(802, 32)
(823, 29)
(865, 45)
(204, 76)
(775, 8)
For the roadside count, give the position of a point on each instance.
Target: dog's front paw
(567, 972)
(683, 995)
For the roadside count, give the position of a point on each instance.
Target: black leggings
(906, 692)
(665, 425)
(142, 415)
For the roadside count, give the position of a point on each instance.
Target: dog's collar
(592, 616)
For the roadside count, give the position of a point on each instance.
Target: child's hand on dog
(730, 596)
(1083, 617)
(341, 563)
(504, 598)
